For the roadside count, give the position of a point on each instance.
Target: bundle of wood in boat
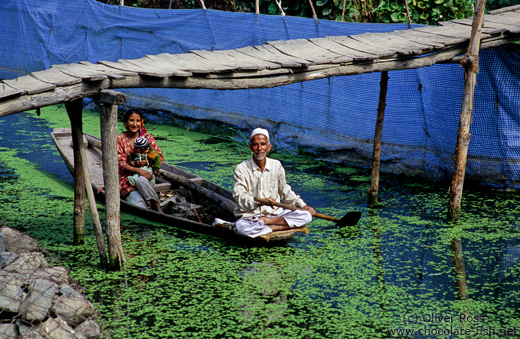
(174, 202)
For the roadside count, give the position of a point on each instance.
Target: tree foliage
(428, 12)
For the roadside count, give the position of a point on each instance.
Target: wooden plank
(501, 27)
(142, 71)
(503, 10)
(424, 38)
(148, 64)
(342, 50)
(30, 84)
(228, 60)
(55, 77)
(303, 48)
(8, 91)
(262, 53)
(278, 54)
(192, 63)
(111, 73)
(393, 43)
(452, 31)
(349, 42)
(506, 19)
(213, 66)
(252, 60)
(81, 71)
(488, 28)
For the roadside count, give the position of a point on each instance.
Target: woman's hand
(145, 173)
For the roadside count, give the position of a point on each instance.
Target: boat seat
(162, 187)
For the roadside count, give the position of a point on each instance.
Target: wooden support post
(373, 191)
(72, 108)
(109, 101)
(470, 63)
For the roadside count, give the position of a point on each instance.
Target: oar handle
(290, 207)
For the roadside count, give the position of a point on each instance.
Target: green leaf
(326, 11)
(395, 17)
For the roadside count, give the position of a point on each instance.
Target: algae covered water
(397, 274)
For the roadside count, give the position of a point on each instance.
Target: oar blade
(350, 219)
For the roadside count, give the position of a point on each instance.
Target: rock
(8, 331)
(57, 274)
(26, 264)
(89, 328)
(39, 300)
(65, 289)
(58, 329)
(30, 332)
(51, 308)
(15, 241)
(11, 293)
(6, 258)
(73, 307)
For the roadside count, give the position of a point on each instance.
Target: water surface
(394, 272)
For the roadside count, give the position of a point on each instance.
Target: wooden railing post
(109, 101)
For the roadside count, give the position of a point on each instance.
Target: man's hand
(310, 209)
(272, 201)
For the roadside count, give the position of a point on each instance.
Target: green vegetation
(426, 12)
(394, 271)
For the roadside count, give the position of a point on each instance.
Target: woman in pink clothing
(142, 194)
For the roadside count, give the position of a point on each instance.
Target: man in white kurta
(263, 177)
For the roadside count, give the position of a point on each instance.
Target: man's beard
(259, 157)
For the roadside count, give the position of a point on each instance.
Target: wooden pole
(315, 17)
(257, 7)
(76, 133)
(470, 63)
(408, 14)
(373, 191)
(279, 4)
(74, 110)
(109, 101)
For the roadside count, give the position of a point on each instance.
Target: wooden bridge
(276, 63)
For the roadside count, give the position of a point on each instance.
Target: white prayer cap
(259, 131)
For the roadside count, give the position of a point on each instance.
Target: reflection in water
(461, 283)
(375, 229)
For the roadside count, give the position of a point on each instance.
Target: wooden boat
(216, 201)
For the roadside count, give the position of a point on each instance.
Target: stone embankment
(36, 300)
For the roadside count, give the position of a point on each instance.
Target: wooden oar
(350, 219)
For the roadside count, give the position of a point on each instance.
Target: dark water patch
(30, 137)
